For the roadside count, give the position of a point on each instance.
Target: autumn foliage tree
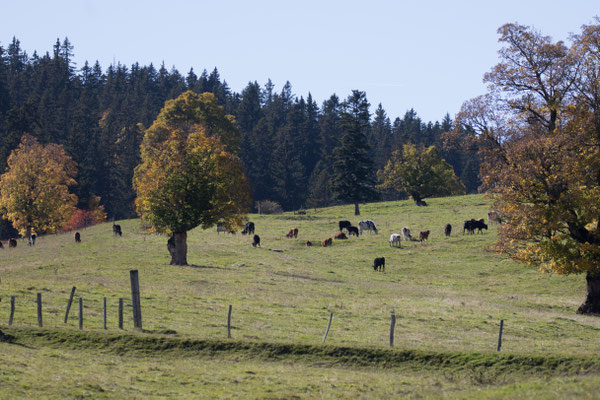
(420, 173)
(538, 133)
(190, 174)
(34, 191)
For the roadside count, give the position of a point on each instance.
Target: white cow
(406, 234)
(368, 225)
(395, 239)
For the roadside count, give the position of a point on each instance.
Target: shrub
(268, 207)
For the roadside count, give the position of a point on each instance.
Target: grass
(448, 294)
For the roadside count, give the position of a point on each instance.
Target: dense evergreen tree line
(289, 143)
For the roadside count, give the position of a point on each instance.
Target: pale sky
(426, 55)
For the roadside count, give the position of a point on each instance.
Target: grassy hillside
(448, 294)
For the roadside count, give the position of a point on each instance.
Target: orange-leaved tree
(34, 191)
(190, 174)
(538, 133)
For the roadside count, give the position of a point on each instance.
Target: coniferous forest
(288, 141)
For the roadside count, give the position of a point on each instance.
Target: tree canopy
(420, 173)
(34, 191)
(189, 175)
(538, 132)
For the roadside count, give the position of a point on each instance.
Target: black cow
(256, 241)
(1, 245)
(117, 230)
(448, 230)
(379, 264)
(77, 237)
(344, 225)
(248, 229)
(473, 224)
(31, 240)
(12, 243)
(352, 230)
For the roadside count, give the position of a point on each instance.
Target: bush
(269, 207)
(84, 218)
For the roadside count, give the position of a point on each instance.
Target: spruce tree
(353, 175)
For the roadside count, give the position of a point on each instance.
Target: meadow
(448, 295)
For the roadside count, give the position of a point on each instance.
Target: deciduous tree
(420, 173)
(34, 191)
(190, 174)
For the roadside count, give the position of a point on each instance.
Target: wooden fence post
(392, 326)
(135, 298)
(120, 313)
(104, 316)
(69, 304)
(39, 309)
(229, 322)
(80, 313)
(328, 326)
(12, 310)
(500, 334)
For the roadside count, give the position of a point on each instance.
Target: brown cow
(340, 235)
(327, 242)
(423, 235)
(293, 233)
(77, 237)
(12, 243)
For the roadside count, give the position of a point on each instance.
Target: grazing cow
(395, 239)
(406, 234)
(423, 235)
(469, 226)
(248, 229)
(421, 203)
(77, 237)
(479, 225)
(340, 235)
(117, 230)
(344, 225)
(448, 230)
(256, 241)
(368, 225)
(352, 230)
(293, 233)
(308, 243)
(1, 245)
(12, 243)
(379, 264)
(327, 242)
(31, 240)
(493, 216)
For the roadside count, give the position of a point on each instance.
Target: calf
(31, 240)
(327, 242)
(248, 229)
(448, 230)
(352, 230)
(12, 243)
(379, 264)
(395, 240)
(344, 225)
(293, 233)
(77, 237)
(117, 230)
(423, 235)
(340, 235)
(406, 234)
(256, 241)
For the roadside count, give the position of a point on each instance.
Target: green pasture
(448, 295)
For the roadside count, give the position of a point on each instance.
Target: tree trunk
(592, 300)
(356, 209)
(177, 246)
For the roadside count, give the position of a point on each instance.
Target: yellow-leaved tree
(190, 174)
(34, 191)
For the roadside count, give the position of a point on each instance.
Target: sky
(426, 55)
